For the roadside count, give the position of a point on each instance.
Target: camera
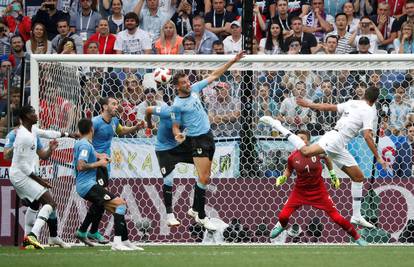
(365, 24)
(49, 6)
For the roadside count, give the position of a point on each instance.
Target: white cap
(235, 22)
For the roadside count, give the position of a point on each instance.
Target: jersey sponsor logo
(84, 153)
(107, 197)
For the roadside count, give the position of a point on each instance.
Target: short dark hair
(331, 36)
(104, 100)
(340, 14)
(371, 94)
(62, 20)
(217, 42)
(295, 18)
(360, 84)
(132, 15)
(25, 110)
(85, 125)
(177, 76)
(304, 132)
(409, 2)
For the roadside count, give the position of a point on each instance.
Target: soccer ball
(162, 75)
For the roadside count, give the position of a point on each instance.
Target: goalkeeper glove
(281, 180)
(334, 180)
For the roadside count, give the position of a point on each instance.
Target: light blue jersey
(165, 137)
(85, 180)
(103, 133)
(11, 136)
(190, 113)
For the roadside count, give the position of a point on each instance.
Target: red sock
(346, 225)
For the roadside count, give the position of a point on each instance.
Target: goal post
(65, 88)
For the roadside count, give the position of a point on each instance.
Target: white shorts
(335, 147)
(27, 188)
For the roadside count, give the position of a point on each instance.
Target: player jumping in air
(169, 152)
(28, 184)
(309, 190)
(105, 126)
(189, 113)
(356, 116)
(86, 163)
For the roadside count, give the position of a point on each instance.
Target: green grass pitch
(216, 256)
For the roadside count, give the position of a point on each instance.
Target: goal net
(242, 197)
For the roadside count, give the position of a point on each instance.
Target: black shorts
(102, 176)
(167, 159)
(98, 195)
(203, 145)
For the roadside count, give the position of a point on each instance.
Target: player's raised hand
(385, 165)
(334, 179)
(53, 144)
(303, 102)
(141, 124)
(281, 180)
(239, 56)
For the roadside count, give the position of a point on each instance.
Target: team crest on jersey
(199, 151)
(107, 197)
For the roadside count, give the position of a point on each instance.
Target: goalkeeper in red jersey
(310, 190)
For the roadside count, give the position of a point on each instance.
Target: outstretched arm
(46, 153)
(218, 72)
(148, 114)
(369, 139)
(318, 106)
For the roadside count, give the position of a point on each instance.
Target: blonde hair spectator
(169, 42)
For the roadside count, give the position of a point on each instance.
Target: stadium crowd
(214, 27)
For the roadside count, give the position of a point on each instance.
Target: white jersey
(356, 115)
(24, 154)
(48, 134)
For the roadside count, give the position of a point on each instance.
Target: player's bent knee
(205, 180)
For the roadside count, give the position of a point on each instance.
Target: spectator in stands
(132, 40)
(218, 47)
(399, 110)
(298, 8)
(16, 21)
(169, 43)
(133, 94)
(359, 90)
(364, 7)
(366, 28)
(364, 46)
(405, 43)
(105, 39)
(17, 55)
(259, 22)
(342, 34)
(38, 42)
(333, 7)
(224, 111)
(116, 19)
(199, 7)
(67, 46)
(86, 21)
(183, 18)
(307, 40)
(48, 15)
(264, 105)
(283, 18)
(384, 22)
(92, 47)
(291, 115)
(397, 7)
(218, 20)
(63, 29)
(352, 21)
(149, 100)
(233, 42)
(189, 45)
(273, 43)
(317, 21)
(409, 16)
(325, 119)
(269, 9)
(151, 18)
(5, 70)
(330, 45)
(294, 46)
(203, 37)
(4, 40)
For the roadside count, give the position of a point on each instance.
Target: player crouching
(310, 190)
(86, 164)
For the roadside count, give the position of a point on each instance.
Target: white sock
(29, 220)
(170, 216)
(117, 240)
(42, 218)
(296, 141)
(356, 191)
